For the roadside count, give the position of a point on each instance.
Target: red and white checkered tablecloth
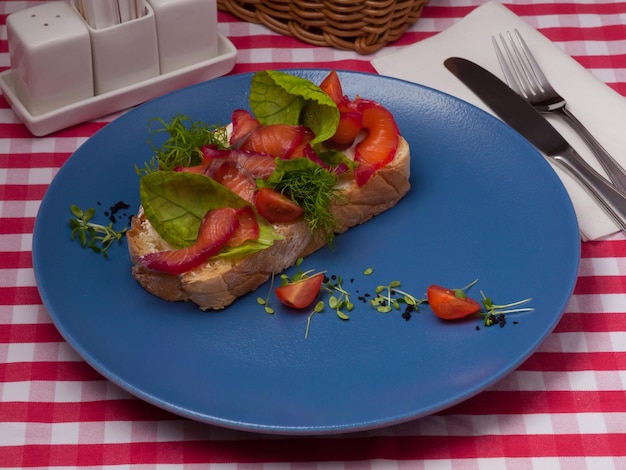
(565, 407)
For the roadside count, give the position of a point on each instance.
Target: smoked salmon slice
(277, 140)
(217, 227)
(232, 176)
(243, 124)
(248, 227)
(260, 166)
(381, 143)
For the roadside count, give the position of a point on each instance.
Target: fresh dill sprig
(312, 188)
(183, 147)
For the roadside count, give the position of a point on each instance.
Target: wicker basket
(363, 26)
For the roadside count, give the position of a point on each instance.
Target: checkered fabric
(565, 407)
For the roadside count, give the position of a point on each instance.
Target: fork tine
(520, 66)
(511, 67)
(510, 78)
(534, 66)
(516, 60)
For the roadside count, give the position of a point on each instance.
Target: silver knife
(522, 117)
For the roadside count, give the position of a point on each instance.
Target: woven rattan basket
(363, 26)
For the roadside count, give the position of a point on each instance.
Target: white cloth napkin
(597, 106)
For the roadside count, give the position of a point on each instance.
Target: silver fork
(527, 79)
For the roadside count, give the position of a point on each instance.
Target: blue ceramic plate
(483, 205)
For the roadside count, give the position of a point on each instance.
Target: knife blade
(521, 116)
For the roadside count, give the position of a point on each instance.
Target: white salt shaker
(187, 32)
(50, 52)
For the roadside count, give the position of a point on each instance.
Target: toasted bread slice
(219, 282)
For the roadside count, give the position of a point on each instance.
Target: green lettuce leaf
(280, 98)
(176, 202)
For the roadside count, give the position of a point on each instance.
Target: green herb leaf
(334, 158)
(342, 315)
(281, 98)
(176, 202)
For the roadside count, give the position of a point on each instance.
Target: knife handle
(616, 172)
(612, 200)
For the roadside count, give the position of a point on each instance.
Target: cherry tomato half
(302, 293)
(277, 208)
(450, 304)
(331, 85)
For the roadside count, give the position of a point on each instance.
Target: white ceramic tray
(122, 98)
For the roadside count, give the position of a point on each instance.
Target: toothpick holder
(187, 31)
(125, 53)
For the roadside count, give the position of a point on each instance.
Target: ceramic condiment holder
(61, 65)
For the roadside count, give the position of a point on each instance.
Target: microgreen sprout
(390, 297)
(95, 236)
(495, 314)
(368, 271)
(340, 302)
(298, 276)
(460, 293)
(317, 309)
(265, 302)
